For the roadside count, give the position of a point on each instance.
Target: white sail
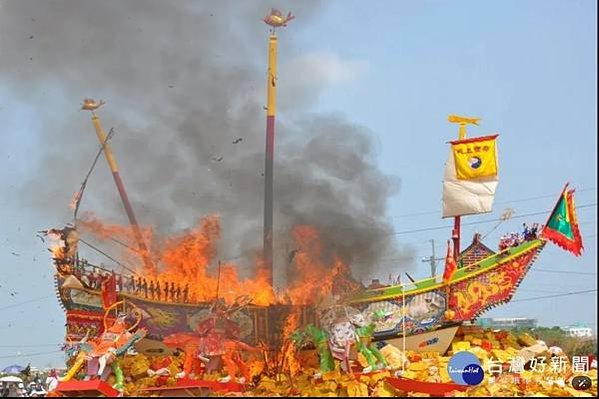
(466, 197)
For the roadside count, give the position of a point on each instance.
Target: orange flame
(56, 245)
(289, 354)
(89, 223)
(190, 259)
(314, 278)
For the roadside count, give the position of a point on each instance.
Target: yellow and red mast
(274, 19)
(91, 105)
(269, 158)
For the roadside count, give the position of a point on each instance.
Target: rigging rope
(108, 256)
(80, 192)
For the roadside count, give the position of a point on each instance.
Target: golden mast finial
(90, 104)
(276, 18)
(463, 119)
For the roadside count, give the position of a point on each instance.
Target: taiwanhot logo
(464, 368)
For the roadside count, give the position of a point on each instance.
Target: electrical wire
(30, 346)
(502, 202)
(14, 305)
(30, 354)
(541, 291)
(563, 271)
(482, 221)
(554, 296)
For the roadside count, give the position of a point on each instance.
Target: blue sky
(399, 68)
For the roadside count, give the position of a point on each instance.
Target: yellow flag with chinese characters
(475, 158)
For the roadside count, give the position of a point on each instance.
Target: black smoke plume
(183, 82)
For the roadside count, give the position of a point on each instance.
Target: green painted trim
(429, 284)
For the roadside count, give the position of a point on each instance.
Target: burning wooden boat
(424, 315)
(84, 314)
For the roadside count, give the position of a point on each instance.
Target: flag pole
(456, 232)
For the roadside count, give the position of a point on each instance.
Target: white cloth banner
(466, 197)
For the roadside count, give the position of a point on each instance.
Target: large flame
(191, 259)
(313, 276)
(289, 351)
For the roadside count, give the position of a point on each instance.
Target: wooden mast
(456, 232)
(91, 105)
(269, 158)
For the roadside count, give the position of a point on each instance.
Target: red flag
(450, 265)
(109, 296)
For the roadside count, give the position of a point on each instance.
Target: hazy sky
(395, 69)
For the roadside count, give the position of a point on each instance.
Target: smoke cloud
(183, 82)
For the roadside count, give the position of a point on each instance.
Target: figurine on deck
(104, 350)
(160, 368)
(340, 322)
(114, 342)
(216, 341)
(65, 253)
(530, 233)
(319, 338)
(219, 340)
(347, 326)
(365, 332)
(189, 344)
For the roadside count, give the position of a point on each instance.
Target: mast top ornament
(276, 18)
(463, 119)
(90, 104)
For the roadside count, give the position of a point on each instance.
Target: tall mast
(91, 105)
(456, 232)
(274, 19)
(270, 144)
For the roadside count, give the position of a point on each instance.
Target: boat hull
(431, 304)
(433, 309)
(430, 341)
(84, 313)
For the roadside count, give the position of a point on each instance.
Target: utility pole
(432, 260)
